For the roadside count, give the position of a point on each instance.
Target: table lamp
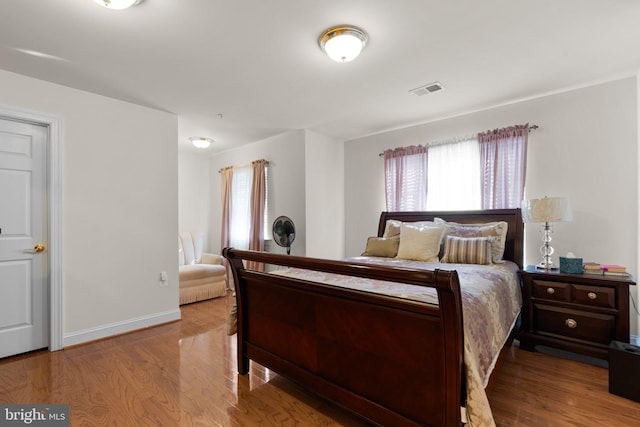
(546, 211)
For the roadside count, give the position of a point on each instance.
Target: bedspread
(491, 302)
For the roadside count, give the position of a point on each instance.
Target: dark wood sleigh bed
(393, 361)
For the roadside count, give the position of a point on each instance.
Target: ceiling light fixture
(200, 141)
(117, 4)
(343, 43)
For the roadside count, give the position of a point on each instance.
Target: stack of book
(614, 270)
(592, 268)
(604, 269)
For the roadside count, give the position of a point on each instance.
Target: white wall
(194, 196)
(286, 187)
(324, 192)
(306, 183)
(585, 149)
(120, 208)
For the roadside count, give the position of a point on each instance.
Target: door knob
(38, 248)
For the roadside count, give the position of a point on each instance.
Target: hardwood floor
(184, 374)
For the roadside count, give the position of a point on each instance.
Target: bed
(384, 338)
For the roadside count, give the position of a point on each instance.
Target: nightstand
(580, 313)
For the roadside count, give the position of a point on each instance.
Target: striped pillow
(467, 250)
(496, 230)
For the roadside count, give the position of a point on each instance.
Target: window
(439, 177)
(244, 214)
(453, 181)
(241, 207)
(267, 225)
(483, 171)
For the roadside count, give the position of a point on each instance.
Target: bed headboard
(514, 246)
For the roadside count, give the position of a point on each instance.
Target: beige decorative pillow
(467, 250)
(496, 231)
(420, 242)
(382, 246)
(392, 227)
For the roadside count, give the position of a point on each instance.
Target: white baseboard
(117, 328)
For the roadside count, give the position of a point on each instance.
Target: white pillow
(420, 242)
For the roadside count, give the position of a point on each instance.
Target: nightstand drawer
(554, 291)
(593, 295)
(582, 325)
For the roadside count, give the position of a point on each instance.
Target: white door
(24, 314)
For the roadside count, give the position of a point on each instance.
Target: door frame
(54, 207)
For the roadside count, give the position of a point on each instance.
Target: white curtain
(241, 207)
(454, 176)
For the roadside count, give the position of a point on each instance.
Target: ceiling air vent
(430, 88)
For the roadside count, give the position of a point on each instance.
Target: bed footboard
(392, 361)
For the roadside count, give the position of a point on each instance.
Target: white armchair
(202, 275)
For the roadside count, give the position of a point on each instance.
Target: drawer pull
(551, 291)
(571, 323)
(592, 295)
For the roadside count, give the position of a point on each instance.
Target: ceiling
(239, 71)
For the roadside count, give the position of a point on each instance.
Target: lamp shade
(200, 141)
(117, 4)
(549, 209)
(343, 43)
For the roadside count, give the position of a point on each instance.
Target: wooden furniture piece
(393, 361)
(580, 313)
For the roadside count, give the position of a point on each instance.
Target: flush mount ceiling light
(200, 141)
(343, 43)
(118, 4)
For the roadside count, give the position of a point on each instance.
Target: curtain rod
(460, 138)
(266, 162)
